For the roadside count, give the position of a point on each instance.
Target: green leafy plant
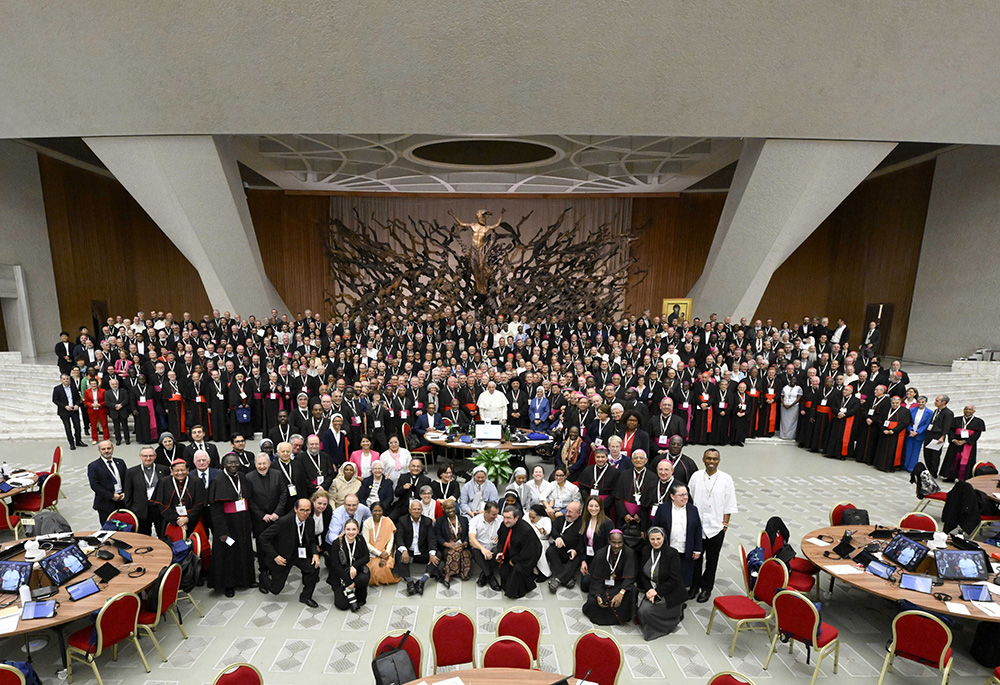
(496, 461)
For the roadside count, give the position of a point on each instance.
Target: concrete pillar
(783, 190)
(190, 186)
(27, 281)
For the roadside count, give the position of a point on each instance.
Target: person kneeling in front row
(415, 542)
(349, 573)
(291, 541)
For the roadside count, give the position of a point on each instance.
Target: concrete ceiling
(893, 70)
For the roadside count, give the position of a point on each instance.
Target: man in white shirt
(714, 494)
(483, 540)
(492, 404)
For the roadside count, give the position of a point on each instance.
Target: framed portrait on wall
(676, 309)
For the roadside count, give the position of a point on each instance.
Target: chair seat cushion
(738, 607)
(989, 518)
(801, 581)
(14, 520)
(81, 638)
(803, 566)
(147, 617)
(27, 501)
(827, 634)
(939, 496)
(922, 660)
(422, 449)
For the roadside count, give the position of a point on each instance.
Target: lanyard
(288, 473)
(149, 481)
(654, 559)
(350, 551)
(237, 485)
(967, 421)
(456, 529)
(180, 493)
(614, 566)
(637, 482)
(301, 529)
(598, 477)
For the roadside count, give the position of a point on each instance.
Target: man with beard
(518, 552)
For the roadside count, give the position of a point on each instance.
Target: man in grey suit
(140, 481)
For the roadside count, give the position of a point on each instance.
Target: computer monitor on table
(489, 431)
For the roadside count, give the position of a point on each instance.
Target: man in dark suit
(64, 353)
(198, 442)
(408, 489)
(459, 416)
(662, 427)
(106, 476)
(118, 402)
(430, 420)
(140, 482)
(565, 553)
(66, 397)
(872, 338)
(937, 434)
(203, 469)
(415, 543)
(267, 498)
(291, 541)
(684, 466)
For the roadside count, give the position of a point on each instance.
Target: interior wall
(25, 241)
(105, 247)
(955, 305)
(866, 251)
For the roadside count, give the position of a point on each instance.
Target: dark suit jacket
(442, 531)
(213, 455)
(281, 538)
(939, 426)
(268, 495)
(102, 482)
(572, 537)
(404, 495)
(425, 542)
(135, 489)
(675, 426)
(59, 397)
(385, 494)
(124, 399)
(664, 519)
(670, 582)
(212, 473)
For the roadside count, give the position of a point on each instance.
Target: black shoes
(495, 584)
(309, 602)
(571, 582)
(72, 446)
(553, 585)
(481, 582)
(410, 588)
(704, 596)
(80, 443)
(230, 592)
(692, 593)
(446, 582)
(419, 586)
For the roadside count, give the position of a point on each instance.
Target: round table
(18, 491)
(883, 588)
(987, 484)
(154, 561)
(496, 676)
(510, 446)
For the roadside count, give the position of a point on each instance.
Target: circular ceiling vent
(484, 153)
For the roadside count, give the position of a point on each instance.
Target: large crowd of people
(339, 406)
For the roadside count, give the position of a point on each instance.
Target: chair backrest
(412, 647)
(838, 511)
(771, 579)
(522, 623)
(599, 653)
(921, 637)
(453, 638)
(6, 522)
(507, 652)
(117, 620)
(764, 542)
(56, 460)
(125, 516)
(797, 616)
(406, 431)
(50, 490)
(745, 569)
(10, 675)
(730, 678)
(916, 520)
(239, 674)
(167, 594)
(447, 423)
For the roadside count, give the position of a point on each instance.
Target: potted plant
(496, 461)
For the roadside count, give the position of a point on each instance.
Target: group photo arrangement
(528, 457)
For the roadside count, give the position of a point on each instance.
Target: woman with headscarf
(476, 493)
(346, 483)
(168, 450)
(661, 587)
(542, 525)
(519, 484)
(611, 596)
(335, 441)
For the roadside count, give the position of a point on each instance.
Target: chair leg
(736, 633)
(114, 653)
(770, 652)
(149, 631)
(836, 656)
(819, 660)
(97, 673)
(708, 631)
(175, 614)
(922, 505)
(135, 639)
(188, 597)
(69, 667)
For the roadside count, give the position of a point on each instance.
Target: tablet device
(125, 554)
(905, 552)
(43, 609)
(864, 558)
(65, 565)
(959, 564)
(6, 487)
(844, 549)
(14, 574)
(85, 588)
(916, 582)
(877, 568)
(106, 571)
(976, 593)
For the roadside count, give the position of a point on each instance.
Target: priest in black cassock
(866, 438)
(519, 550)
(611, 598)
(232, 548)
(960, 460)
(842, 430)
(892, 434)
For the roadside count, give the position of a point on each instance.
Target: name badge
(822, 403)
(404, 414)
(685, 405)
(302, 552)
(663, 441)
(538, 417)
(964, 434)
(598, 442)
(743, 407)
(181, 510)
(637, 496)
(722, 405)
(420, 405)
(219, 395)
(149, 492)
(886, 424)
(652, 512)
(273, 396)
(292, 490)
(241, 505)
(754, 393)
(355, 421)
(316, 481)
(243, 395)
(392, 413)
(378, 424)
(704, 398)
(609, 582)
(871, 412)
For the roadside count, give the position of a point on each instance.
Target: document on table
(844, 569)
(452, 681)
(988, 608)
(818, 542)
(9, 619)
(958, 608)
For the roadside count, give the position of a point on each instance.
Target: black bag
(392, 666)
(786, 554)
(190, 572)
(854, 517)
(986, 644)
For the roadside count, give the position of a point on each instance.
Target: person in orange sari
(379, 532)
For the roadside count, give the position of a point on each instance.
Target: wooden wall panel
(105, 247)
(673, 249)
(867, 251)
(290, 245)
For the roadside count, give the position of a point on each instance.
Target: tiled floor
(287, 640)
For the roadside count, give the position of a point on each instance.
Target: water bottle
(5, 470)
(25, 593)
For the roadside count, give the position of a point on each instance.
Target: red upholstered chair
(838, 510)
(419, 452)
(34, 502)
(799, 619)
(56, 463)
(921, 637)
(933, 498)
(995, 680)
(412, 647)
(748, 610)
(9, 521)
(166, 598)
(115, 623)
(730, 678)
(507, 652)
(10, 675)
(239, 674)
(982, 466)
(802, 573)
(599, 653)
(125, 516)
(453, 639)
(522, 623)
(918, 521)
